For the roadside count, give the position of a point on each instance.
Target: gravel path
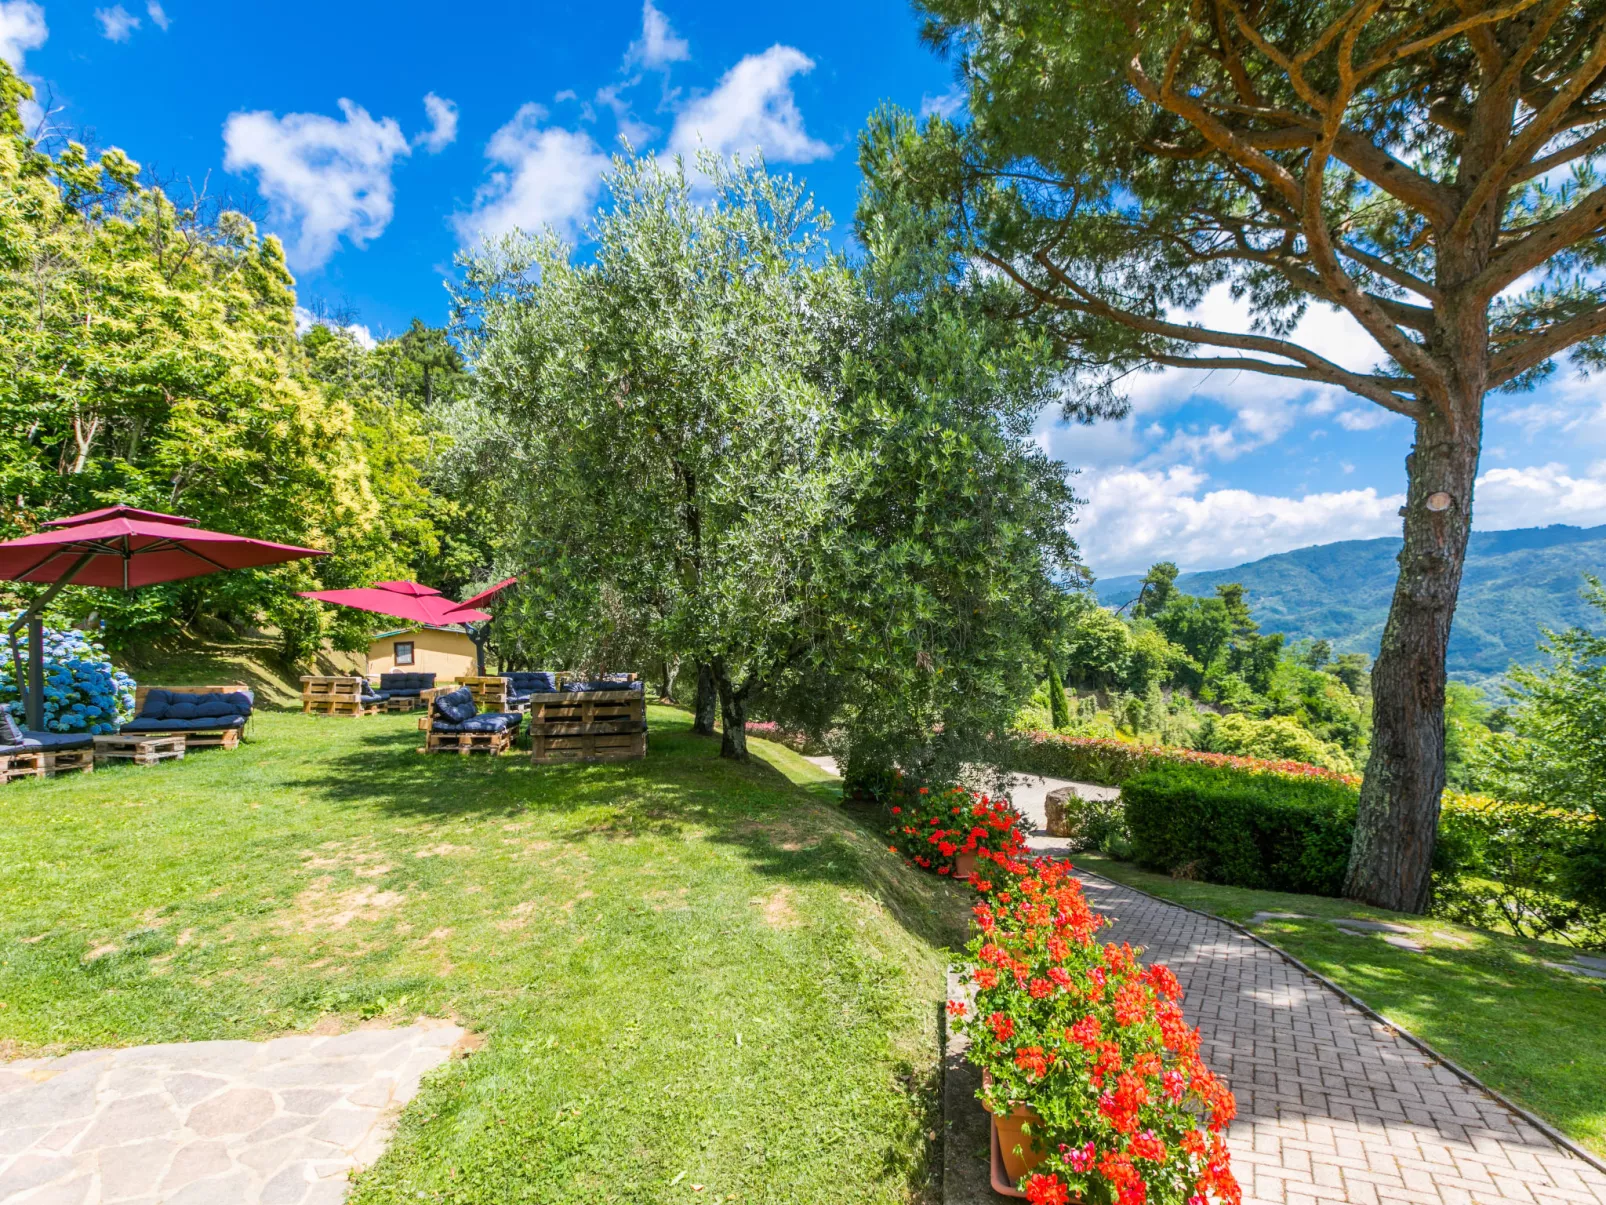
(209, 1123)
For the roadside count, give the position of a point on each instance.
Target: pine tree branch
(1584, 219)
(1534, 349)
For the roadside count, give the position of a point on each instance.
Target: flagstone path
(209, 1123)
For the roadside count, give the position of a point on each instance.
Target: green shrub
(1524, 867)
(1277, 739)
(1242, 829)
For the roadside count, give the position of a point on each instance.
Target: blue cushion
(602, 684)
(10, 734)
(59, 741)
(532, 682)
(490, 721)
(406, 685)
(196, 724)
(377, 696)
(186, 705)
(455, 707)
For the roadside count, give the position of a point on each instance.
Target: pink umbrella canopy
(122, 547)
(486, 595)
(126, 548)
(404, 600)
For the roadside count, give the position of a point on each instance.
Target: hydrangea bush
(1093, 1043)
(84, 692)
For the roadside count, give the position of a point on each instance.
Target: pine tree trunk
(707, 701)
(1391, 859)
(733, 711)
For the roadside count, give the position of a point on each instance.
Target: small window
(404, 652)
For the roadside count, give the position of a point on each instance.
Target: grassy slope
(688, 972)
(1485, 1000)
(194, 661)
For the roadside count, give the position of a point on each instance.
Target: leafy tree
(1202, 627)
(1097, 648)
(1555, 753)
(1427, 169)
(1158, 585)
(670, 436)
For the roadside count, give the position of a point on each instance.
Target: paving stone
(309, 1100)
(237, 1111)
(135, 1169)
(1572, 968)
(1258, 917)
(197, 1161)
(191, 1087)
(30, 1171)
(131, 1118)
(1589, 960)
(1404, 943)
(223, 1190)
(289, 1185)
(69, 1192)
(1371, 926)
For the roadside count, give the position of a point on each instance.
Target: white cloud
(752, 109)
(547, 176)
(1135, 517)
(1539, 495)
(328, 178)
(158, 15)
(946, 104)
(658, 45)
(442, 130)
(22, 28)
(117, 24)
(1367, 417)
(306, 320)
(638, 133)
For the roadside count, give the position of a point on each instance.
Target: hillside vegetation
(1515, 583)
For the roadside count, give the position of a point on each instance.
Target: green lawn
(1485, 1000)
(686, 972)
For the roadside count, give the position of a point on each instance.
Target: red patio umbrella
(419, 604)
(123, 547)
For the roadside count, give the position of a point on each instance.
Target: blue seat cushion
(378, 696)
(532, 682)
(183, 705)
(58, 741)
(455, 706)
(406, 685)
(602, 684)
(10, 733)
(488, 721)
(198, 724)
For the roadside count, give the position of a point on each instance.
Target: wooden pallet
(494, 743)
(69, 761)
(218, 738)
(594, 746)
(401, 705)
(334, 695)
(21, 765)
(597, 725)
(139, 749)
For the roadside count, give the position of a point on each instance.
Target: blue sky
(380, 139)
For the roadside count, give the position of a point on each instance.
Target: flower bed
(1094, 1045)
(933, 828)
(769, 730)
(1111, 762)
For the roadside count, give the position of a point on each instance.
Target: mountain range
(1515, 582)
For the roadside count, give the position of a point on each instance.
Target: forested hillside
(1515, 583)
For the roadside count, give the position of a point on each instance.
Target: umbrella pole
(34, 698)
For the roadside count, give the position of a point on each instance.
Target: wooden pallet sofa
(211, 716)
(456, 725)
(405, 691)
(25, 754)
(599, 720)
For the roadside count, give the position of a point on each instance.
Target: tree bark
(671, 671)
(733, 711)
(1397, 825)
(707, 701)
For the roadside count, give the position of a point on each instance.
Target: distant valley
(1515, 582)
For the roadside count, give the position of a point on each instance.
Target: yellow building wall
(447, 655)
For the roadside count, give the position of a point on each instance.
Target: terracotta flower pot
(1008, 1129)
(964, 864)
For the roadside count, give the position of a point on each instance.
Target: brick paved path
(1331, 1105)
(209, 1123)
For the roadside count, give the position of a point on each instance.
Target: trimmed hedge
(1245, 830)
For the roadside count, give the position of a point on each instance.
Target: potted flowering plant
(1092, 1076)
(948, 830)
